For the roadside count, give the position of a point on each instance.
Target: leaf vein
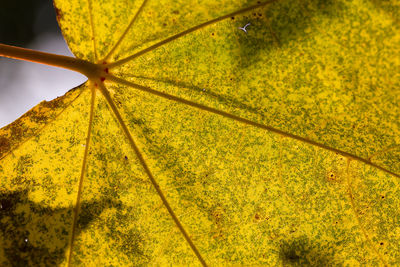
(82, 176)
(249, 122)
(125, 32)
(90, 6)
(156, 186)
(176, 36)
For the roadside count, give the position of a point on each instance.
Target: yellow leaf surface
(275, 144)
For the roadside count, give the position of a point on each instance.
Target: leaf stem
(75, 64)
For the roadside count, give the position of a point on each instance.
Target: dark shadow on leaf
(227, 100)
(272, 26)
(389, 6)
(24, 246)
(303, 252)
(279, 24)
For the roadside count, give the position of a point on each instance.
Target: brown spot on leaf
(217, 215)
(16, 130)
(331, 176)
(4, 145)
(218, 235)
(53, 103)
(38, 117)
(58, 13)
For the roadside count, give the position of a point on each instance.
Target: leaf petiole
(87, 68)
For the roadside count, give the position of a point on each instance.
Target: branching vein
(195, 28)
(148, 172)
(83, 170)
(125, 32)
(92, 28)
(246, 121)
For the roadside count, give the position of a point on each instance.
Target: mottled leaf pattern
(275, 146)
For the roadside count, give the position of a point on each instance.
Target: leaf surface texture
(322, 190)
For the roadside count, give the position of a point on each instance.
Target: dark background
(31, 24)
(23, 20)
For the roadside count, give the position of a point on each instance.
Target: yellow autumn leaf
(212, 132)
